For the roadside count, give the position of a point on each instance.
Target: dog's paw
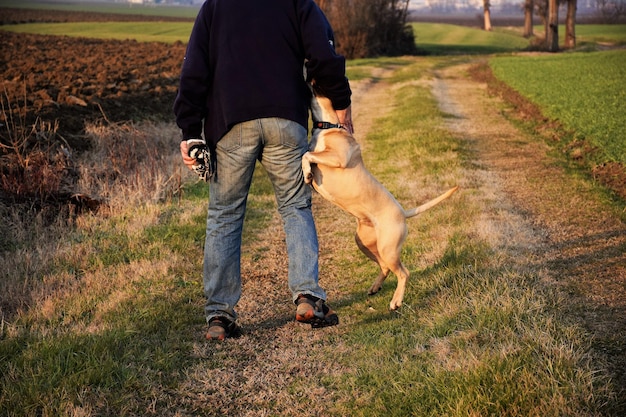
(374, 289)
(307, 173)
(306, 169)
(394, 306)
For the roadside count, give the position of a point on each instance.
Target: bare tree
(487, 14)
(528, 18)
(366, 28)
(552, 29)
(323, 4)
(570, 24)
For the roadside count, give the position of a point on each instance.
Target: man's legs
(285, 142)
(280, 145)
(236, 157)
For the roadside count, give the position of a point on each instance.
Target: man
(242, 85)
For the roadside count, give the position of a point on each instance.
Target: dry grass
(131, 168)
(131, 165)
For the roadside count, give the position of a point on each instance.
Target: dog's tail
(430, 204)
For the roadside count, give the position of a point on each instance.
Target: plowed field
(77, 80)
(58, 85)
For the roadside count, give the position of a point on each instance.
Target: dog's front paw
(306, 170)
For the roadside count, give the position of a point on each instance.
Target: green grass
(445, 39)
(168, 32)
(431, 38)
(586, 92)
(613, 34)
(467, 346)
(359, 69)
(103, 7)
(107, 343)
(475, 336)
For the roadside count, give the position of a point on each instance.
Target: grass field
(112, 321)
(586, 92)
(102, 7)
(612, 34)
(445, 39)
(432, 38)
(168, 32)
(116, 312)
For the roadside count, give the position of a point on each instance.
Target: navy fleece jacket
(245, 60)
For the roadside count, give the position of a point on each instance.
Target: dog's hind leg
(365, 238)
(378, 282)
(389, 251)
(403, 275)
(384, 271)
(391, 257)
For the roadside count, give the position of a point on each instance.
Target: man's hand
(196, 156)
(184, 151)
(345, 118)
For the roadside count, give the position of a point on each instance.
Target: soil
(55, 86)
(78, 81)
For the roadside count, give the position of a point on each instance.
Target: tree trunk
(486, 6)
(570, 24)
(528, 18)
(552, 35)
(323, 4)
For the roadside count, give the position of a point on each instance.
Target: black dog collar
(327, 125)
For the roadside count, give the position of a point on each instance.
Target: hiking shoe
(314, 311)
(220, 328)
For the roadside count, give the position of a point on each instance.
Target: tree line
(370, 28)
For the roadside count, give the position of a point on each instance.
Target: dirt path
(548, 221)
(262, 367)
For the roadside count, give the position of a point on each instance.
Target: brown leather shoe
(220, 328)
(314, 311)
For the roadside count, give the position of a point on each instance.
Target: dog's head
(321, 106)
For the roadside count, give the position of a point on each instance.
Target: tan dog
(335, 167)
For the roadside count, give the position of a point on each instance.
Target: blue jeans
(279, 145)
